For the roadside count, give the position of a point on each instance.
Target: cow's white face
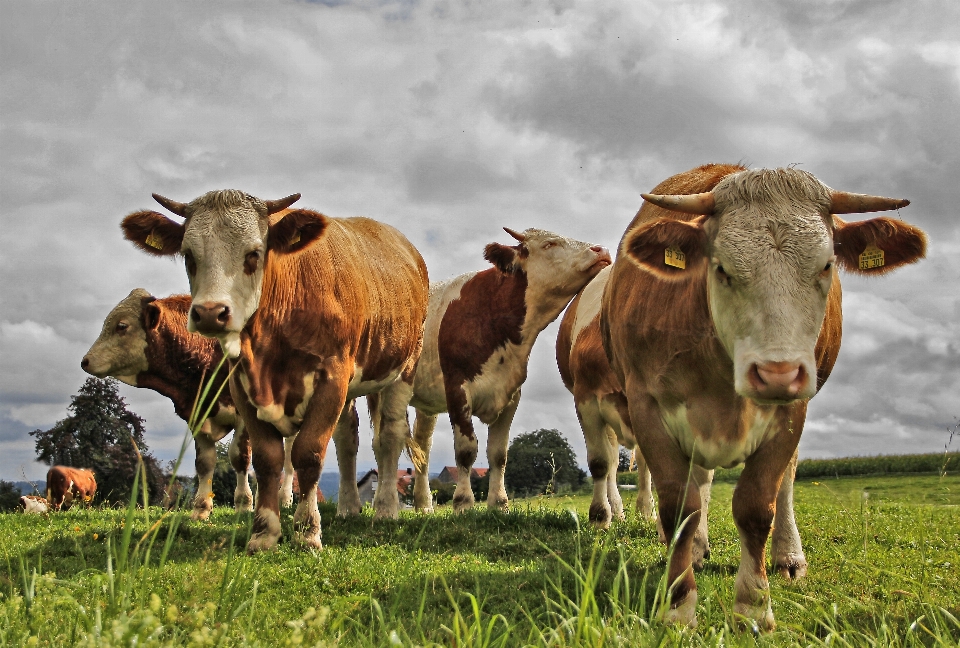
(556, 267)
(768, 244)
(120, 351)
(224, 246)
(224, 243)
(769, 269)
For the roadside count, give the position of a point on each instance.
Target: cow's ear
(505, 258)
(153, 232)
(877, 245)
(296, 230)
(667, 248)
(150, 313)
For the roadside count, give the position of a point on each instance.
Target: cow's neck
(177, 371)
(542, 309)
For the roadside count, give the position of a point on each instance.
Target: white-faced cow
(65, 485)
(720, 319)
(316, 311)
(34, 504)
(145, 343)
(604, 417)
(477, 339)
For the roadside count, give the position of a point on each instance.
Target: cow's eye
(722, 276)
(122, 327)
(190, 263)
(548, 245)
(250, 262)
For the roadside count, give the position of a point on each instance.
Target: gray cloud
(449, 121)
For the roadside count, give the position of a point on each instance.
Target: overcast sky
(450, 120)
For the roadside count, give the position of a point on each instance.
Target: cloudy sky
(451, 119)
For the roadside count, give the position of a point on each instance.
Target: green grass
(884, 570)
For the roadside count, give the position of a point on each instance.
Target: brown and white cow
(720, 319)
(34, 504)
(66, 484)
(316, 311)
(477, 339)
(604, 417)
(145, 343)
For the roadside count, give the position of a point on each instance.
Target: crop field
(884, 555)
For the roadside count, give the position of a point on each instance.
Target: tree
(541, 459)
(625, 458)
(9, 496)
(100, 434)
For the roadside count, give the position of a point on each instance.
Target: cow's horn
(843, 202)
(517, 235)
(273, 206)
(180, 209)
(701, 203)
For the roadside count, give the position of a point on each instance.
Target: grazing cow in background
(720, 319)
(34, 504)
(66, 484)
(315, 311)
(477, 339)
(145, 343)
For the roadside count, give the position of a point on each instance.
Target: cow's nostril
(194, 315)
(224, 315)
(85, 362)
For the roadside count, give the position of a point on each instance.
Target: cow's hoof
(791, 567)
(424, 509)
(243, 503)
(462, 503)
(599, 515)
(701, 553)
(307, 541)
(499, 504)
(347, 511)
(685, 613)
(755, 618)
(386, 513)
(201, 513)
(264, 541)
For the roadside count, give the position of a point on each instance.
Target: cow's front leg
(423, 428)
(286, 484)
(346, 438)
(266, 446)
(310, 448)
(701, 541)
(613, 488)
(239, 454)
(785, 546)
(754, 507)
(464, 444)
(390, 437)
(205, 464)
(498, 440)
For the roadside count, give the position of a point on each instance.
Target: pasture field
(884, 556)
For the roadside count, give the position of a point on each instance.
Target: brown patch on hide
(487, 316)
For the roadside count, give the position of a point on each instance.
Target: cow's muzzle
(778, 381)
(210, 318)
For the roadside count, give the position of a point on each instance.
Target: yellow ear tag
(155, 241)
(295, 239)
(674, 256)
(871, 258)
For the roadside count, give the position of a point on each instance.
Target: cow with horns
(720, 319)
(314, 311)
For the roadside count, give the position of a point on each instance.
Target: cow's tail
(415, 453)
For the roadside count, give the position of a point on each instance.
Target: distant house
(367, 485)
(449, 474)
(296, 490)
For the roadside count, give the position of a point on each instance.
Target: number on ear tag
(674, 256)
(155, 241)
(871, 258)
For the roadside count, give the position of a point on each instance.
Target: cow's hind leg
(598, 460)
(498, 439)
(645, 503)
(239, 454)
(423, 428)
(286, 484)
(347, 440)
(205, 464)
(389, 439)
(701, 541)
(785, 545)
